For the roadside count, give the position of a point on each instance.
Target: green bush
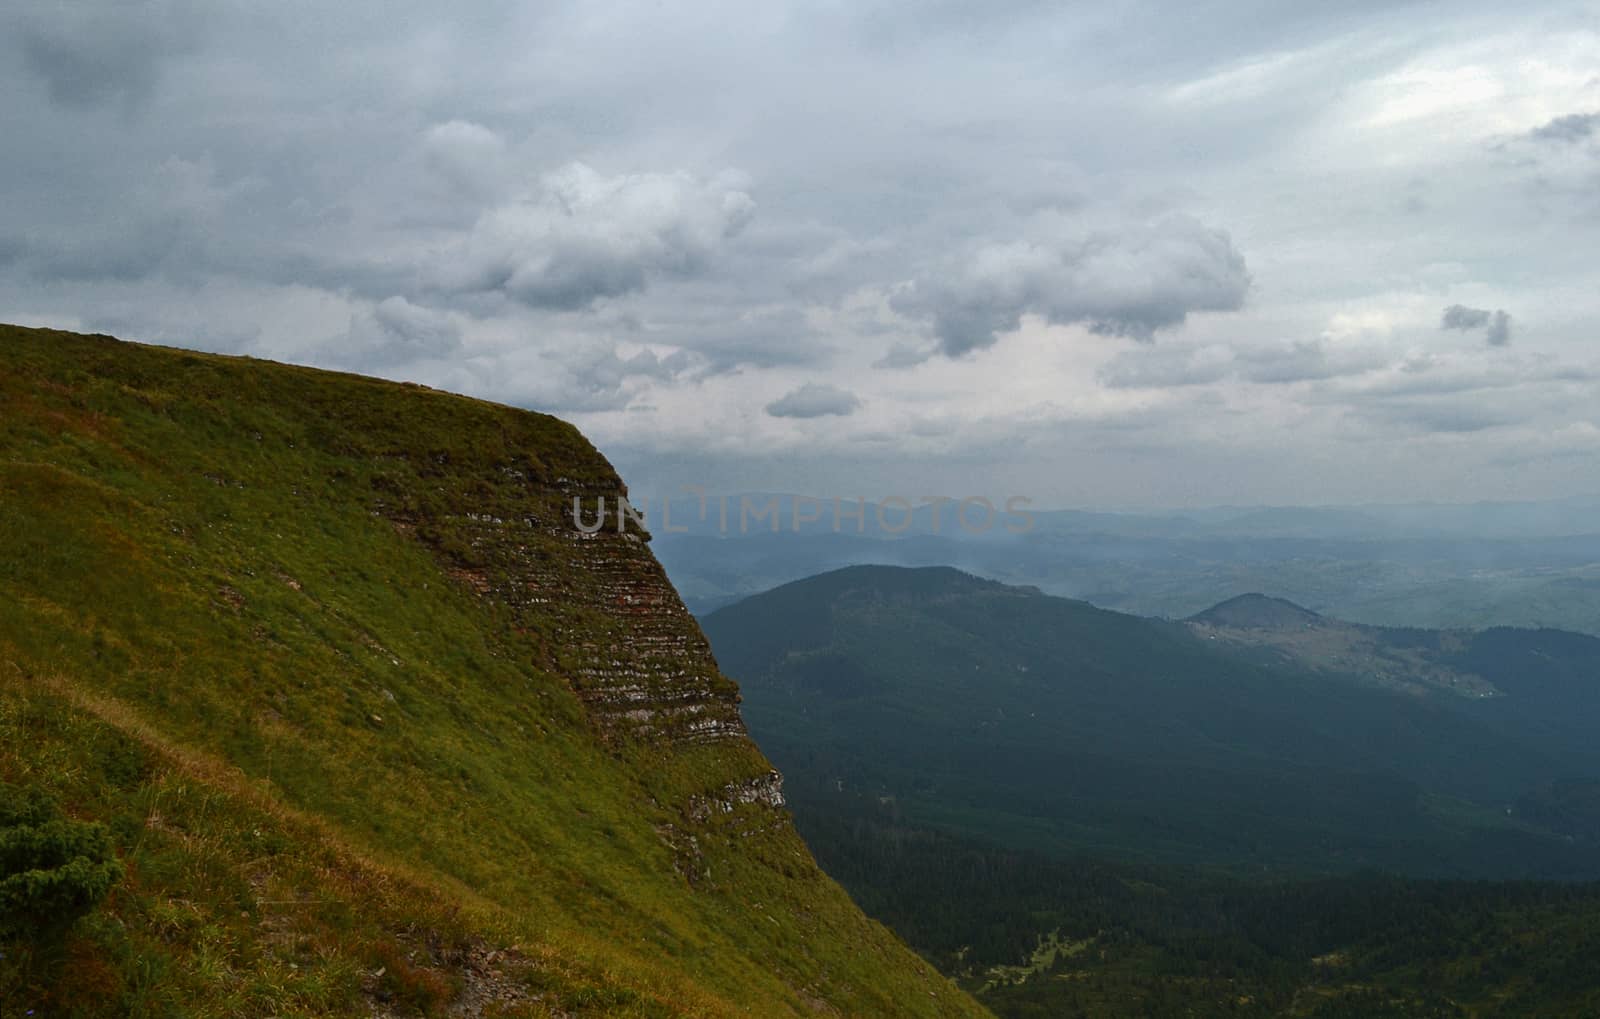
(52, 870)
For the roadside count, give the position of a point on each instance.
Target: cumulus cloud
(583, 236)
(814, 400)
(298, 179)
(1130, 281)
(1495, 324)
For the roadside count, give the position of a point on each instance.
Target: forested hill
(1081, 813)
(1047, 723)
(1039, 936)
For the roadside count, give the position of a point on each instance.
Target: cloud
(1499, 332)
(368, 182)
(169, 220)
(1161, 368)
(1165, 366)
(394, 332)
(1574, 127)
(1129, 281)
(95, 54)
(1306, 361)
(1446, 416)
(1496, 324)
(1459, 316)
(468, 156)
(721, 339)
(1481, 373)
(907, 355)
(571, 375)
(814, 400)
(582, 236)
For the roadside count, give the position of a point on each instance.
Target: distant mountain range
(1256, 734)
(1442, 566)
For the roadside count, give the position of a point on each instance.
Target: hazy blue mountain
(1005, 713)
(1533, 565)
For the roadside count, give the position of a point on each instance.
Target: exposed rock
(607, 618)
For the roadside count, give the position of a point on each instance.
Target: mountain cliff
(375, 727)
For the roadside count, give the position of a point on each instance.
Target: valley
(1256, 811)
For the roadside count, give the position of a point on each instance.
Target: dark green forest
(1180, 941)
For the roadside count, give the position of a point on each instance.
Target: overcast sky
(1111, 255)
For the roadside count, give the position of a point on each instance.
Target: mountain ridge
(1256, 611)
(1177, 741)
(373, 724)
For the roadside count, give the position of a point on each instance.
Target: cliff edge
(377, 724)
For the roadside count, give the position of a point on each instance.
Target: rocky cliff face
(551, 544)
(633, 653)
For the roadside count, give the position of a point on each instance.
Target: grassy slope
(337, 776)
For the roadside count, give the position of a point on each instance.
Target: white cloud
(582, 236)
(1129, 280)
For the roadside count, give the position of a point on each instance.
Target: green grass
(238, 624)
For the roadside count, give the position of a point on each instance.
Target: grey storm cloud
(1495, 324)
(583, 236)
(814, 400)
(167, 221)
(1573, 127)
(530, 204)
(1499, 332)
(1459, 316)
(93, 54)
(1130, 281)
